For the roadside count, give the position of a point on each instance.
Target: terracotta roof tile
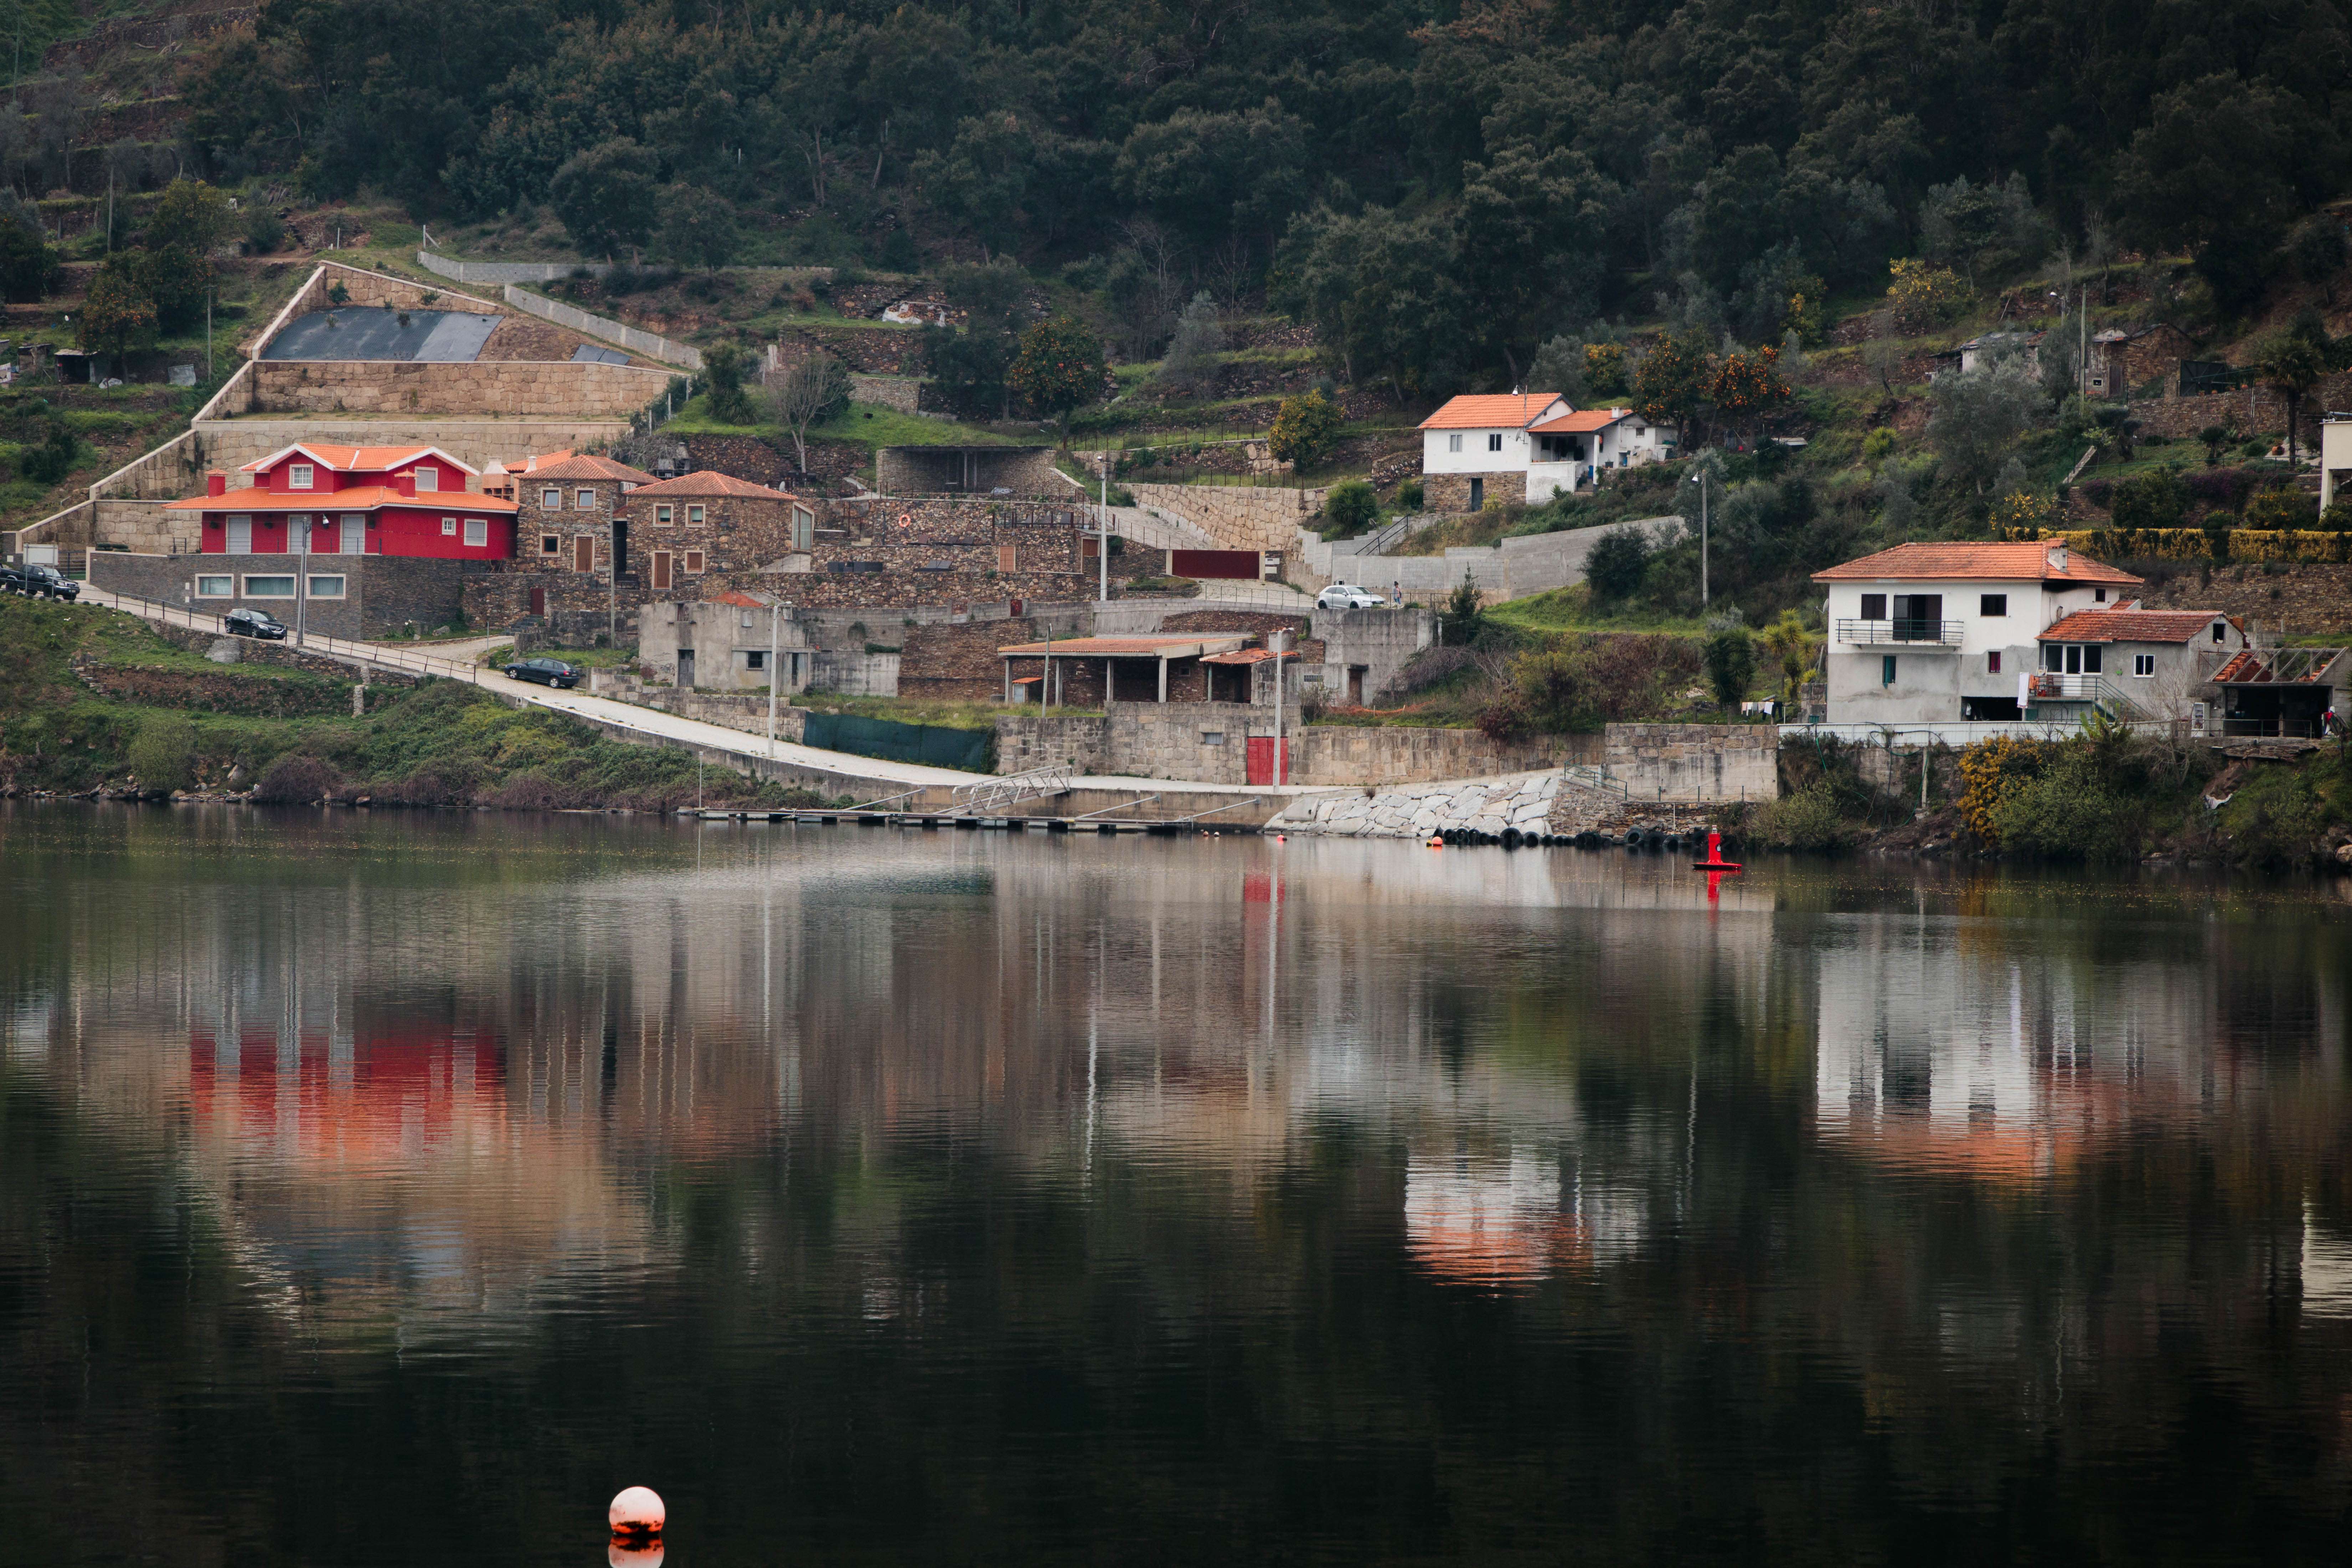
(2021, 560)
(359, 498)
(1582, 421)
(1506, 410)
(2131, 626)
(577, 467)
(1128, 647)
(706, 484)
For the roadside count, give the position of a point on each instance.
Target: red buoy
(1715, 861)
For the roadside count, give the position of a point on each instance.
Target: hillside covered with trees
(1440, 188)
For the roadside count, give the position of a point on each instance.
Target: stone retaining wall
(1524, 803)
(505, 272)
(898, 392)
(508, 388)
(1235, 518)
(383, 594)
(652, 345)
(1451, 492)
(1694, 762)
(1207, 742)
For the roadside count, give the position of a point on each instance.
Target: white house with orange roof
(1942, 634)
(1527, 447)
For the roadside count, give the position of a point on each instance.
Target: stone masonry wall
(1695, 763)
(383, 594)
(899, 392)
(1451, 492)
(1205, 742)
(922, 471)
(1235, 517)
(959, 663)
(504, 387)
(1525, 804)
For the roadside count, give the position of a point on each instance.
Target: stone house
(887, 552)
(731, 641)
(597, 539)
(2134, 663)
(2122, 357)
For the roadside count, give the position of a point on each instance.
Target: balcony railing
(1911, 633)
(2049, 687)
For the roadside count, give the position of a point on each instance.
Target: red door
(539, 601)
(1261, 760)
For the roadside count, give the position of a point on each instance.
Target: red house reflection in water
(399, 1086)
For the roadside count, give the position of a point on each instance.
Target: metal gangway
(989, 796)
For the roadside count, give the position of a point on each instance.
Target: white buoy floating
(637, 1516)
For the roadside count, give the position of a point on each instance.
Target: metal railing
(408, 661)
(1593, 778)
(1907, 631)
(987, 795)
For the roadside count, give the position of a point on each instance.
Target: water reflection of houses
(2009, 1063)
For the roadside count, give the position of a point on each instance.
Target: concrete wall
(1377, 643)
(1207, 742)
(1694, 762)
(509, 387)
(848, 673)
(504, 271)
(384, 594)
(652, 345)
(1516, 567)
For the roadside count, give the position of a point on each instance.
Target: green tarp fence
(928, 743)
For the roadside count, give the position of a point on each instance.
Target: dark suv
(254, 623)
(40, 581)
(546, 671)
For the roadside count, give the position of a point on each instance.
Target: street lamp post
(1699, 479)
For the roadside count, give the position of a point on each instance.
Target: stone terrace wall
(1700, 762)
(1206, 741)
(898, 392)
(1233, 517)
(501, 387)
(918, 471)
(959, 663)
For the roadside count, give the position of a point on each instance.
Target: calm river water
(395, 1191)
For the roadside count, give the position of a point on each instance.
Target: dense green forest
(1439, 188)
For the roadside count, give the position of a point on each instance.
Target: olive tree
(1979, 417)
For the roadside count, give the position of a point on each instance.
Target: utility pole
(208, 334)
(613, 591)
(1699, 479)
(1102, 533)
(302, 585)
(772, 645)
(1275, 643)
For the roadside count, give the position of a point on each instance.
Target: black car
(254, 623)
(49, 581)
(546, 671)
(38, 582)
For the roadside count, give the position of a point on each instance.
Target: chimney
(215, 483)
(404, 481)
(2057, 555)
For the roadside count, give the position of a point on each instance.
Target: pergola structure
(1194, 662)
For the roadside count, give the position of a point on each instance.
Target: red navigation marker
(1715, 861)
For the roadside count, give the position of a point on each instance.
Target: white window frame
(1494, 440)
(695, 515)
(300, 477)
(253, 593)
(552, 498)
(428, 478)
(338, 581)
(240, 521)
(228, 589)
(551, 544)
(477, 532)
(585, 498)
(804, 528)
(664, 516)
(2144, 665)
(1454, 442)
(352, 540)
(448, 528)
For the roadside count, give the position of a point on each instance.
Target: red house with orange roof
(353, 501)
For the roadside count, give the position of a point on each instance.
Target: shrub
(1807, 818)
(2071, 811)
(160, 754)
(1306, 429)
(534, 790)
(263, 231)
(1990, 773)
(1730, 659)
(2281, 507)
(2156, 499)
(297, 780)
(1410, 494)
(2220, 487)
(1349, 508)
(2336, 519)
(1463, 617)
(2275, 820)
(1618, 560)
(1506, 721)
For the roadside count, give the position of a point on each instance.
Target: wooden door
(583, 554)
(539, 601)
(660, 569)
(1261, 760)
